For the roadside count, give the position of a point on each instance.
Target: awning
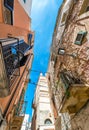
(22, 47)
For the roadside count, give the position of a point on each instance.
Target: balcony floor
(77, 98)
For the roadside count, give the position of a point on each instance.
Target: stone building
(43, 118)
(25, 124)
(16, 54)
(69, 64)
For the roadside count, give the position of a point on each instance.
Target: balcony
(13, 55)
(75, 93)
(19, 113)
(76, 97)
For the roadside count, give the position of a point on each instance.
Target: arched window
(48, 121)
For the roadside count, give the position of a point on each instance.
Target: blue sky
(43, 15)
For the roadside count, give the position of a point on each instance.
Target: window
(85, 7)
(8, 13)
(8, 16)
(48, 121)
(80, 37)
(64, 17)
(30, 39)
(9, 4)
(24, 1)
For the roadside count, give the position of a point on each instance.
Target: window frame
(45, 122)
(82, 37)
(8, 6)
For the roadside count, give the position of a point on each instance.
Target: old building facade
(25, 124)
(69, 65)
(16, 54)
(43, 118)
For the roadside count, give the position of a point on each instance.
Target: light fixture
(61, 51)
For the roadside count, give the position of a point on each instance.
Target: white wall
(25, 122)
(42, 100)
(27, 6)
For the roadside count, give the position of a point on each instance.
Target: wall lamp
(61, 51)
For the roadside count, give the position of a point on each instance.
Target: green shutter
(80, 37)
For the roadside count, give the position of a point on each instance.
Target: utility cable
(38, 71)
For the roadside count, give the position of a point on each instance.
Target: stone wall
(81, 120)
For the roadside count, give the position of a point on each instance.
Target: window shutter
(80, 37)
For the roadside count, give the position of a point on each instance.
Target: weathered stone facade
(81, 120)
(70, 59)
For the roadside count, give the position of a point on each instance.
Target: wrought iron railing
(68, 79)
(10, 58)
(21, 106)
(12, 55)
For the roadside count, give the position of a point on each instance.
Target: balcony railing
(19, 113)
(68, 79)
(21, 106)
(76, 93)
(13, 54)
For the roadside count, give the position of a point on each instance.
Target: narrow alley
(44, 65)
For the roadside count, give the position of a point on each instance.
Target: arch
(48, 121)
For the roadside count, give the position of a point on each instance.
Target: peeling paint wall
(76, 57)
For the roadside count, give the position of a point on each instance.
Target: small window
(8, 12)
(87, 9)
(48, 121)
(30, 39)
(9, 4)
(64, 17)
(24, 1)
(80, 37)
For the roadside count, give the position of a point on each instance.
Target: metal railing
(21, 106)
(10, 58)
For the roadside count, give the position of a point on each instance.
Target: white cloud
(39, 5)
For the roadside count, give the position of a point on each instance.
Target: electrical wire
(38, 71)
